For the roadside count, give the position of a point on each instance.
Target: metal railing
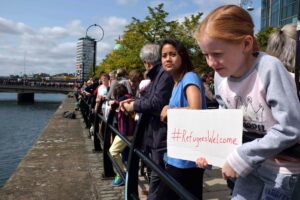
(102, 141)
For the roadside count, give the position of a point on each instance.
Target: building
(277, 13)
(86, 57)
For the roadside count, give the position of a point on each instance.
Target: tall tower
(85, 59)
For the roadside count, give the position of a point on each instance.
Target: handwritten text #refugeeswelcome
(185, 136)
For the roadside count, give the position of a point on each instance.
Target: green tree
(125, 57)
(184, 32)
(153, 29)
(263, 36)
(137, 33)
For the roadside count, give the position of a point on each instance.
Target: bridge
(34, 89)
(26, 89)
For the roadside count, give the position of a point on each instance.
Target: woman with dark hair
(188, 93)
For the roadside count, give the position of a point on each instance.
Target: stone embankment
(62, 165)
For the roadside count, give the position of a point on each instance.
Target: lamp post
(246, 2)
(24, 70)
(96, 39)
(82, 72)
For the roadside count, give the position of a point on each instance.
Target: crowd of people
(243, 77)
(37, 83)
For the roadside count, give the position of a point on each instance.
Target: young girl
(188, 93)
(261, 86)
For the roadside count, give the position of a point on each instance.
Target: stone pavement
(62, 166)
(214, 185)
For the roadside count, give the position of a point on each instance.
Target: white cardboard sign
(212, 134)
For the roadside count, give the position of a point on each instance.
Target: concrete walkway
(62, 166)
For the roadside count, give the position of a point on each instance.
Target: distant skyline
(40, 36)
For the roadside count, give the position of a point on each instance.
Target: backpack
(126, 121)
(70, 115)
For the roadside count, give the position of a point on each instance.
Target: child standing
(125, 127)
(259, 85)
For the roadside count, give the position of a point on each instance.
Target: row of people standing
(230, 49)
(173, 85)
(111, 94)
(106, 92)
(245, 78)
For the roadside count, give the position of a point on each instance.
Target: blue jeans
(262, 183)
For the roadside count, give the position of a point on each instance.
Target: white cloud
(64, 50)
(114, 26)
(113, 29)
(50, 49)
(126, 2)
(170, 5)
(54, 32)
(11, 27)
(75, 28)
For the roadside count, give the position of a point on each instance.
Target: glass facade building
(277, 13)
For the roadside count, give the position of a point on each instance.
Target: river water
(20, 126)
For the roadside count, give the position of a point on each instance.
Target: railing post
(131, 186)
(83, 108)
(97, 145)
(108, 167)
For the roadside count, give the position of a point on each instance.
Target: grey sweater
(267, 95)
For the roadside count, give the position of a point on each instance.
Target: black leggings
(191, 179)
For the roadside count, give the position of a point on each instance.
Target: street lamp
(246, 2)
(82, 72)
(97, 38)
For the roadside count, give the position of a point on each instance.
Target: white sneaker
(91, 131)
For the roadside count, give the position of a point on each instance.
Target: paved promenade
(62, 166)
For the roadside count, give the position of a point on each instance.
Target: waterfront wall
(61, 165)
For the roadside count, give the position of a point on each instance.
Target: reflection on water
(20, 126)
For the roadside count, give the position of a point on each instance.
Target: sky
(40, 36)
